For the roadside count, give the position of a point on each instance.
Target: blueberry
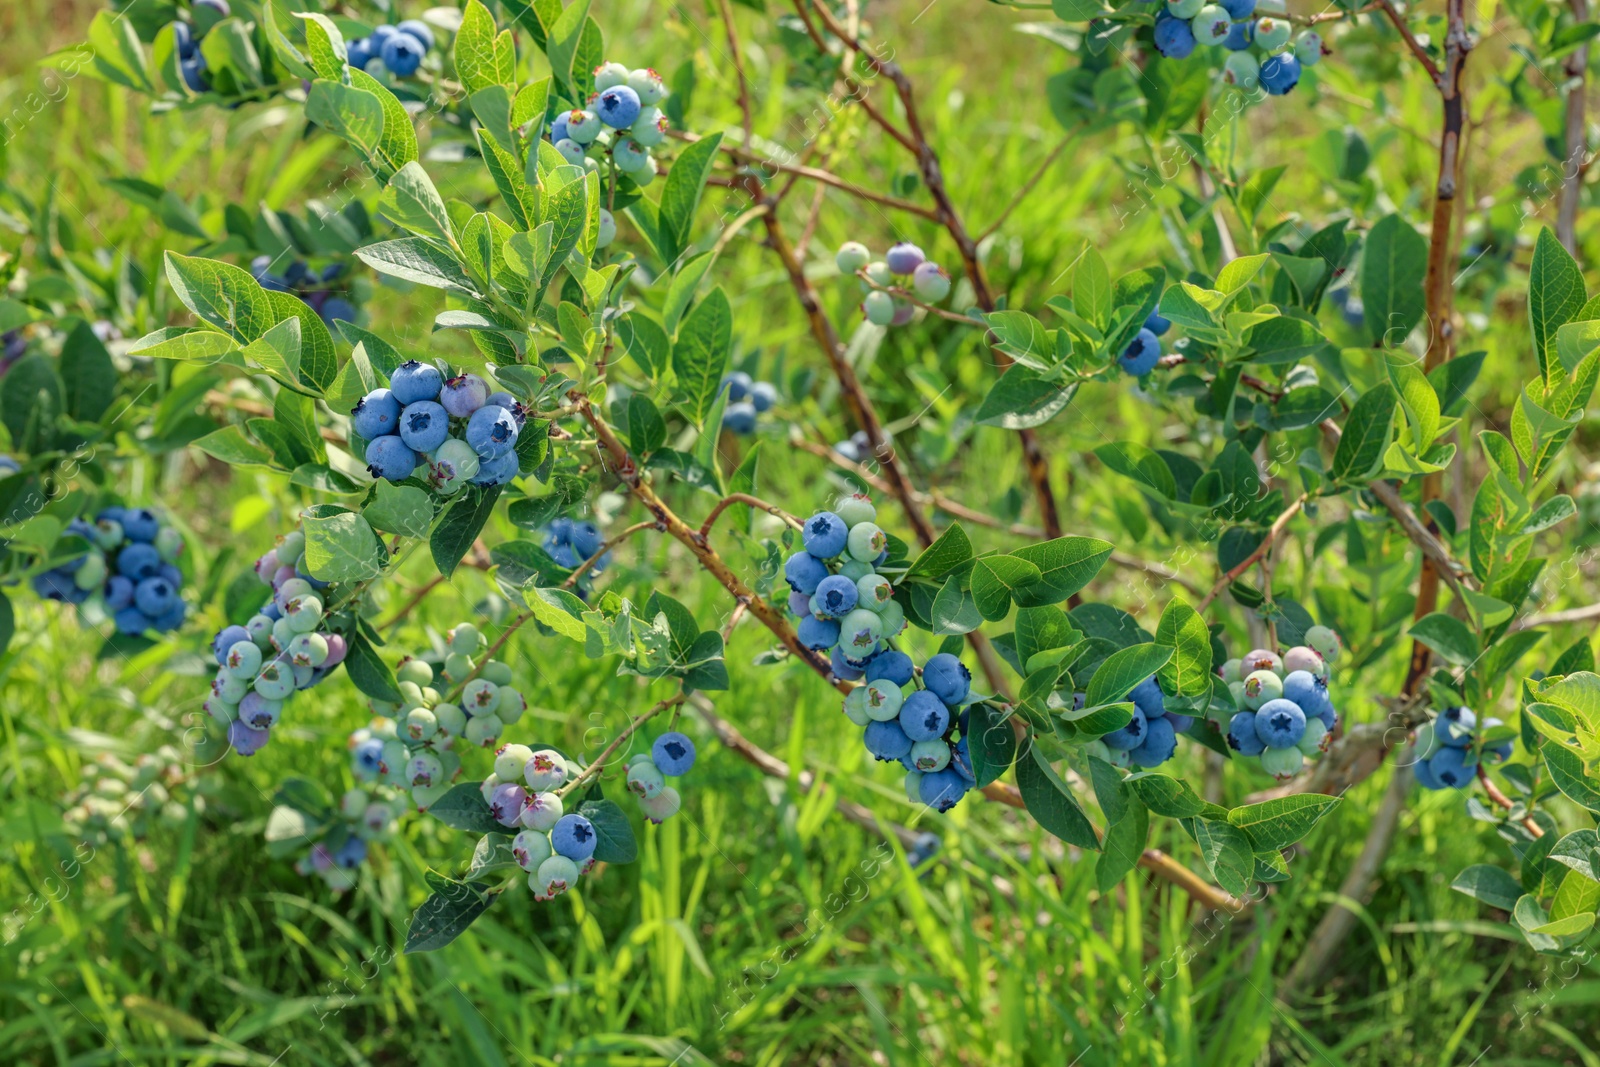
(673, 754)
(118, 593)
(1308, 48)
(866, 542)
(139, 524)
(1280, 73)
(183, 39)
(452, 465)
(890, 666)
(1180, 723)
(1453, 767)
(1260, 687)
(402, 55)
(931, 282)
(851, 257)
(608, 74)
(1325, 641)
(881, 700)
(1423, 769)
(1160, 742)
(1242, 736)
(1271, 35)
(886, 740)
(1129, 736)
(1282, 763)
(1280, 723)
(554, 877)
(389, 458)
(1211, 25)
(739, 418)
(558, 128)
(924, 716)
(418, 30)
(1141, 355)
(1184, 9)
(942, 790)
(497, 471)
(842, 667)
(1240, 36)
(947, 678)
(647, 84)
(583, 126)
(859, 633)
(504, 400)
(1174, 39)
(351, 854)
(530, 848)
(763, 396)
(879, 308)
(903, 258)
(1306, 690)
(259, 713)
(818, 633)
(631, 157)
(131, 620)
(825, 535)
(738, 384)
(138, 561)
(424, 425)
(247, 740)
(506, 802)
(414, 380)
(607, 231)
(574, 837)
(1239, 9)
(1455, 727)
(1148, 698)
(358, 54)
(492, 432)
(336, 308)
(1156, 324)
(226, 638)
(618, 106)
(571, 151)
(366, 757)
(835, 597)
(194, 78)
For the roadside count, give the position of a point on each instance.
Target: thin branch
(1577, 133)
(738, 64)
(1026, 188)
(599, 763)
(1272, 534)
(1388, 8)
(1557, 618)
(607, 546)
(1494, 793)
(753, 501)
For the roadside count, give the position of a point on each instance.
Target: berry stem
(911, 298)
(1494, 793)
(617, 742)
(1273, 533)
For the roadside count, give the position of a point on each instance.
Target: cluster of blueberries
(921, 727)
(1285, 713)
(191, 61)
(285, 647)
(409, 745)
(118, 800)
(398, 48)
(1448, 749)
(857, 448)
(842, 601)
(365, 816)
(747, 398)
(1150, 738)
(621, 122)
(671, 756)
(571, 541)
(314, 287)
(1144, 351)
(132, 563)
(1237, 25)
(884, 303)
(409, 425)
(524, 793)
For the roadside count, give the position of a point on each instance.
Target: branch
(606, 546)
(738, 64)
(1494, 794)
(599, 763)
(1027, 187)
(1557, 618)
(753, 501)
(1387, 7)
(1273, 532)
(1576, 137)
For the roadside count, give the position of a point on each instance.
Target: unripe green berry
(483, 731)
(421, 724)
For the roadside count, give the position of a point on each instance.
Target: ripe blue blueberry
(1240, 37)
(1142, 354)
(1160, 742)
(257, 711)
(193, 72)
(843, 668)
(424, 425)
(1129, 736)
(1156, 324)
(574, 837)
(139, 561)
(336, 308)
(740, 418)
(618, 106)
(413, 381)
(947, 678)
(886, 740)
(1242, 736)
(118, 593)
(763, 396)
(890, 666)
(835, 597)
(1148, 698)
(139, 524)
(942, 790)
(818, 633)
(799, 603)
(1239, 9)
(1280, 73)
(1180, 723)
(1174, 39)
(1423, 770)
(492, 432)
(1306, 690)
(464, 394)
(1455, 727)
(903, 258)
(381, 33)
(558, 128)
(825, 535)
(226, 638)
(402, 54)
(183, 39)
(924, 716)
(1280, 723)
(585, 538)
(419, 30)
(738, 384)
(497, 471)
(1453, 767)
(247, 740)
(673, 754)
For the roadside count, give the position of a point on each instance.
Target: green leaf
(223, 295)
(233, 447)
(700, 354)
(1051, 802)
(950, 550)
(463, 808)
(413, 259)
(411, 202)
(1188, 672)
(1448, 636)
(1366, 435)
(1569, 774)
(473, 53)
(368, 672)
(340, 545)
(559, 610)
(1393, 264)
(1488, 885)
(445, 915)
(614, 833)
(1077, 10)
(1119, 672)
(681, 194)
(1555, 293)
(460, 526)
(1171, 797)
(991, 743)
(1022, 398)
(954, 610)
(1280, 822)
(1091, 286)
(1284, 339)
(995, 579)
(1226, 851)
(405, 510)
(87, 373)
(1133, 460)
(1066, 565)
(565, 36)
(1418, 401)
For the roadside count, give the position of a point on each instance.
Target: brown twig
(1388, 8)
(753, 501)
(1272, 534)
(738, 65)
(1557, 618)
(1026, 188)
(1577, 133)
(606, 546)
(1494, 793)
(599, 763)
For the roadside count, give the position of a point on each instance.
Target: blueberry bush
(1159, 535)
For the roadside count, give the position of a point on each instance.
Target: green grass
(759, 927)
